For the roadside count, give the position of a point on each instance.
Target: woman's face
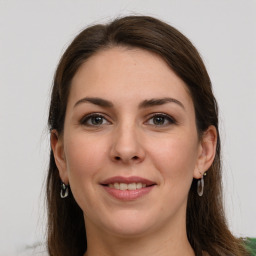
(130, 147)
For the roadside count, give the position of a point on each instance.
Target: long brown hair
(206, 225)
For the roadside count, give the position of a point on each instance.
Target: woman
(135, 160)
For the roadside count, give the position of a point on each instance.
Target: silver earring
(64, 190)
(200, 185)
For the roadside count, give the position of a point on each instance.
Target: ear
(57, 146)
(207, 151)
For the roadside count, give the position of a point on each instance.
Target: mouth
(127, 188)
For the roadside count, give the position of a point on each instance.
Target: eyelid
(90, 115)
(171, 119)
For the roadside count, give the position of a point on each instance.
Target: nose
(127, 145)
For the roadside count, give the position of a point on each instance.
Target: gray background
(34, 34)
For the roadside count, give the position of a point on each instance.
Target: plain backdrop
(34, 34)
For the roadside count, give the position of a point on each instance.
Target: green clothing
(250, 244)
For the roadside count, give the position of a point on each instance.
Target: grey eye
(161, 120)
(97, 120)
(94, 120)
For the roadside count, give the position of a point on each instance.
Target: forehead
(129, 74)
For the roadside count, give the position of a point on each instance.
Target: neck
(161, 243)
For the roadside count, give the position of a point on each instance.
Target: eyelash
(170, 120)
(84, 121)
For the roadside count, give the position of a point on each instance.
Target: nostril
(118, 158)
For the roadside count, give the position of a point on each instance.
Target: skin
(128, 141)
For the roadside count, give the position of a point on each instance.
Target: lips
(128, 180)
(127, 188)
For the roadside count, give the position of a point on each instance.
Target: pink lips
(127, 195)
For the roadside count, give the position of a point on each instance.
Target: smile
(128, 188)
(124, 186)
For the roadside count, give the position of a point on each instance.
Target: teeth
(139, 185)
(131, 186)
(124, 186)
(116, 185)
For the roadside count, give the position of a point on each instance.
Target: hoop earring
(64, 190)
(200, 185)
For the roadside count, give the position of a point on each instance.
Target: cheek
(175, 158)
(83, 156)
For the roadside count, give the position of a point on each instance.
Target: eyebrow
(96, 101)
(144, 104)
(158, 102)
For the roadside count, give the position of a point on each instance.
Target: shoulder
(250, 244)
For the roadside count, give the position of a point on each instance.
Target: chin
(129, 224)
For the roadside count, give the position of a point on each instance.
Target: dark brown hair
(206, 225)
